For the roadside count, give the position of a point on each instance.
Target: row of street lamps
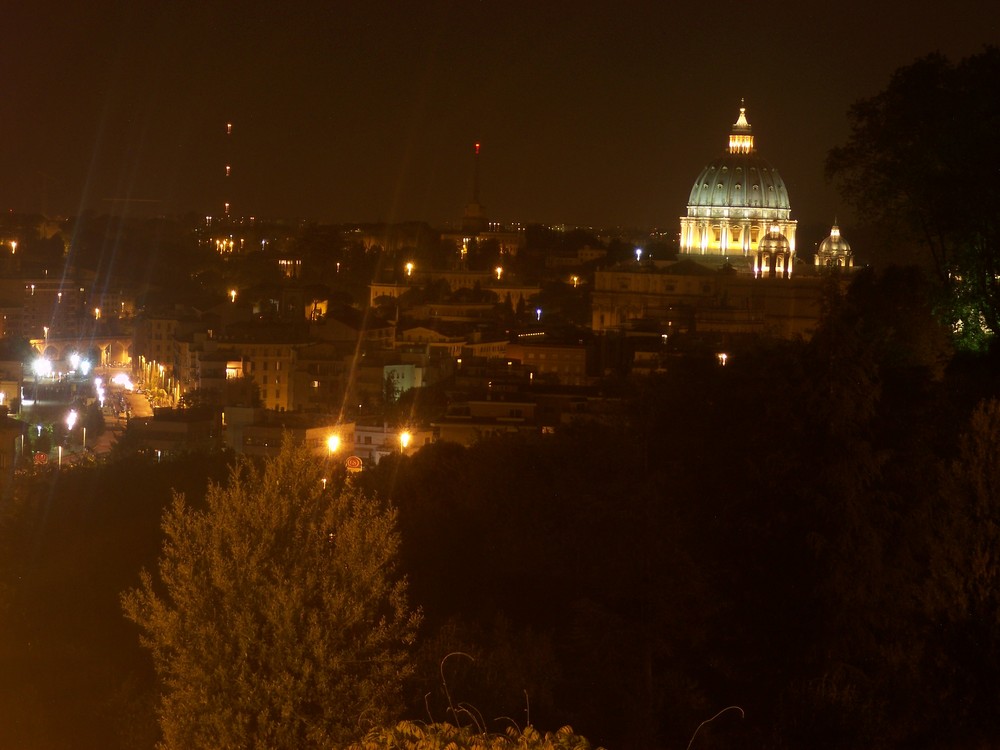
(333, 441)
(333, 447)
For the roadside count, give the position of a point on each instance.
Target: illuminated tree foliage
(922, 161)
(277, 620)
(414, 736)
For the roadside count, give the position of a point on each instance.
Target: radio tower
(474, 219)
(229, 169)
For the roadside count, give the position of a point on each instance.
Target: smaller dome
(774, 242)
(835, 244)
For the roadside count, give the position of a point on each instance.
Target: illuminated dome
(774, 256)
(774, 242)
(735, 201)
(835, 251)
(739, 181)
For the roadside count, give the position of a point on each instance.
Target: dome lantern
(741, 138)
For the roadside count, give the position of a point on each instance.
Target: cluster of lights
(224, 245)
(79, 363)
(121, 380)
(42, 368)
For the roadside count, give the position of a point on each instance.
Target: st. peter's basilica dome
(735, 201)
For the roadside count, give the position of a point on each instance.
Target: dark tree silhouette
(922, 160)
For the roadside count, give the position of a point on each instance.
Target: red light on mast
(477, 149)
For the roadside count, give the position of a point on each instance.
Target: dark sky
(589, 113)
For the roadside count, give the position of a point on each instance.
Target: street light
(41, 367)
(332, 446)
(333, 443)
(70, 421)
(404, 440)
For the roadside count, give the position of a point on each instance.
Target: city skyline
(587, 115)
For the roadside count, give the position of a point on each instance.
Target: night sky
(594, 114)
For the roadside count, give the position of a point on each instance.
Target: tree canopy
(922, 160)
(277, 619)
